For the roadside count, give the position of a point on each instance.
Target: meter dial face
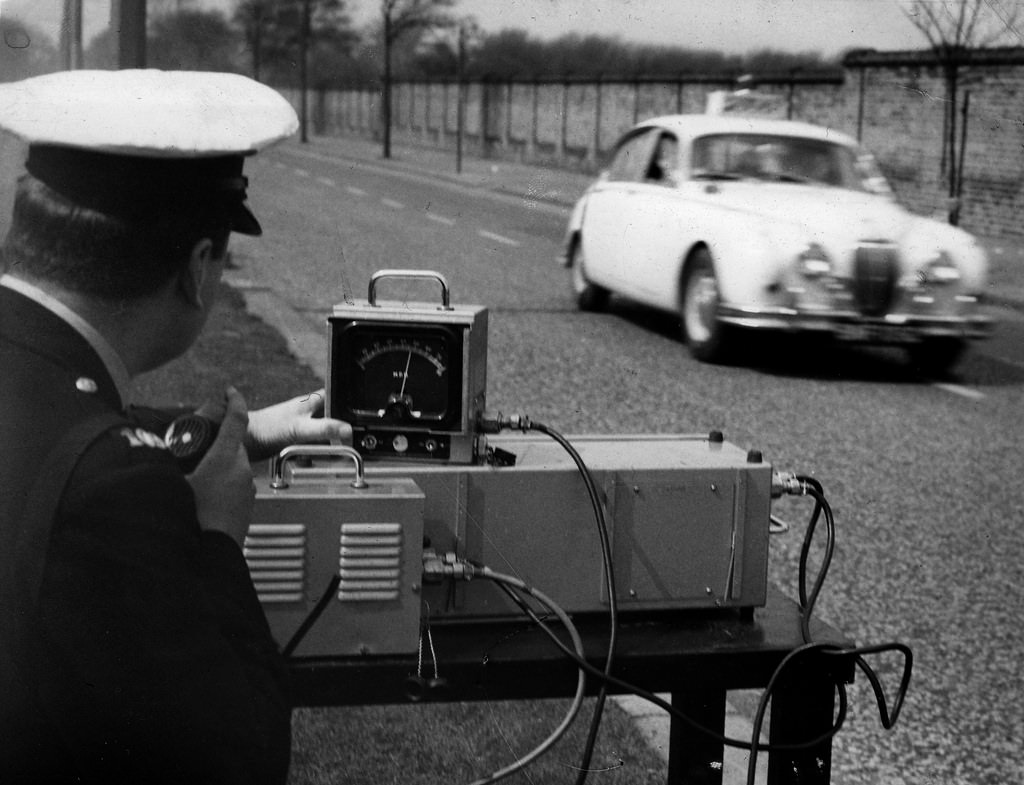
(402, 375)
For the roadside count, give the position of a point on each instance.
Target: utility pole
(460, 106)
(304, 69)
(128, 18)
(387, 81)
(71, 35)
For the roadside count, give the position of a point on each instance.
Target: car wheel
(936, 356)
(705, 334)
(589, 296)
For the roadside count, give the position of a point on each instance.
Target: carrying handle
(277, 463)
(371, 296)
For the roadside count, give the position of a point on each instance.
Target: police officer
(132, 645)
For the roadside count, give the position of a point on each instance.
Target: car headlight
(814, 262)
(940, 271)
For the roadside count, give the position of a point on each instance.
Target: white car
(736, 222)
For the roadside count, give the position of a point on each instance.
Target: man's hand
(292, 422)
(222, 482)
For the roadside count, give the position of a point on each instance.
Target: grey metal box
(301, 536)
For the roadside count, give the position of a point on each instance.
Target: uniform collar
(111, 359)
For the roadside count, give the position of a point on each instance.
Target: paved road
(923, 475)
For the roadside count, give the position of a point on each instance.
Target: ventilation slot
(371, 562)
(276, 555)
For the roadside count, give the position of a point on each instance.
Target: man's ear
(193, 275)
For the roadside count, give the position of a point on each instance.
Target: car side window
(664, 162)
(633, 156)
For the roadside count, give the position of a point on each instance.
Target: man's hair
(111, 256)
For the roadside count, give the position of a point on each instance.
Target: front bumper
(893, 328)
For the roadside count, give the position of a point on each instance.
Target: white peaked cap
(147, 112)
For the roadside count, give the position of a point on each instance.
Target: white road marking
(441, 219)
(958, 389)
(326, 181)
(355, 191)
(498, 238)
(392, 204)
(1008, 361)
(562, 211)
(302, 173)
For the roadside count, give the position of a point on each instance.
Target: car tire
(589, 296)
(936, 356)
(706, 335)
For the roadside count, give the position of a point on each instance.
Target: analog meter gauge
(397, 376)
(403, 376)
(408, 377)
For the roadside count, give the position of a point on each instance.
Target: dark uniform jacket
(146, 657)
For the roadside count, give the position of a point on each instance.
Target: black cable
(807, 601)
(651, 697)
(609, 572)
(762, 707)
(311, 619)
(508, 582)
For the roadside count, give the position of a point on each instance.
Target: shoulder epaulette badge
(139, 437)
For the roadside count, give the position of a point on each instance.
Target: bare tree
(404, 19)
(954, 29)
(252, 17)
(275, 31)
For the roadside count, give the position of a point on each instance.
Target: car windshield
(785, 159)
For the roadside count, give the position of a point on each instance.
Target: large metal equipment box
(688, 519)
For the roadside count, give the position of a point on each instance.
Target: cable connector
(787, 484)
(494, 423)
(437, 566)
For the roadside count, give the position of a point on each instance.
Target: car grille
(875, 271)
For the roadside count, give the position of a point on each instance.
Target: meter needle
(405, 374)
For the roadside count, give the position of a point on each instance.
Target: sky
(828, 27)
(733, 26)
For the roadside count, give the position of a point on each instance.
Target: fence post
(429, 88)
(532, 145)
(485, 111)
(595, 150)
(506, 132)
(563, 137)
(319, 111)
(460, 133)
(410, 124)
(444, 113)
(789, 97)
(860, 106)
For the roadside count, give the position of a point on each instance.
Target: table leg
(694, 758)
(802, 709)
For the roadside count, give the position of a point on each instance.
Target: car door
(654, 212)
(609, 223)
(633, 221)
